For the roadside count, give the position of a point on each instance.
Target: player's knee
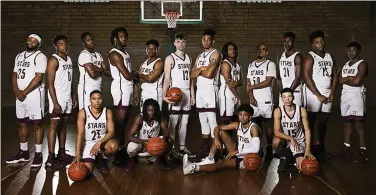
(133, 149)
(276, 142)
(111, 147)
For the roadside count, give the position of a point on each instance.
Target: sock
(211, 156)
(24, 146)
(363, 148)
(182, 147)
(183, 129)
(205, 128)
(197, 168)
(347, 145)
(38, 148)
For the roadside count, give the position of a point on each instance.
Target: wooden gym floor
(338, 176)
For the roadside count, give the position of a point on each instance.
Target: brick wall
(245, 24)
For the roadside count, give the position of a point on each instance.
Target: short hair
(225, 50)
(209, 32)
(287, 90)
(246, 108)
(316, 34)
(258, 45)
(152, 42)
(289, 34)
(114, 33)
(155, 104)
(85, 34)
(180, 36)
(58, 38)
(355, 44)
(95, 91)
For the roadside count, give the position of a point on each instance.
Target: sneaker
(20, 156)
(131, 165)
(144, 154)
(102, 164)
(362, 157)
(120, 157)
(201, 154)
(38, 160)
(52, 162)
(64, 158)
(152, 159)
(206, 161)
(188, 167)
(184, 151)
(283, 164)
(344, 151)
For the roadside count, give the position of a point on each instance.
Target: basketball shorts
(31, 110)
(121, 94)
(300, 151)
(184, 105)
(298, 98)
(264, 111)
(155, 94)
(227, 103)
(134, 149)
(207, 97)
(313, 104)
(353, 106)
(66, 107)
(83, 93)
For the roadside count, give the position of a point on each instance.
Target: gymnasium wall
(245, 24)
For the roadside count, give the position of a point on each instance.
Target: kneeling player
(248, 142)
(290, 140)
(96, 125)
(146, 125)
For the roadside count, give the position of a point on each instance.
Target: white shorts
(353, 105)
(313, 104)
(84, 95)
(227, 103)
(121, 95)
(207, 97)
(151, 94)
(185, 103)
(86, 156)
(32, 108)
(301, 148)
(66, 108)
(134, 149)
(298, 98)
(264, 111)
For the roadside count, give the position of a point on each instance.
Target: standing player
(292, 133)
(177, 70)
(289, 69)
(151, 74)
(320, 78)
(261, 73)
(231, 78)
(352, 77)
(248, 142)
(90, 67)
(28, 86)
(206, 72)
(61, 99)
(149, 123)
(95, 125)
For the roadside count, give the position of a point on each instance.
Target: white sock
(38, 147)
(212, 118)
(24, 146)
(174, 118)
(197, 168)
(183, 129)
(205, 128)
(347, 145)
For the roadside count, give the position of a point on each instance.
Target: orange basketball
(78, 171)
(175, 94)
(252, 161)
(310, 167)
(155, 146)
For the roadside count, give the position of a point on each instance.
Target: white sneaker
(206, 161)
(152, 159)
(188, 167)
(144, 154)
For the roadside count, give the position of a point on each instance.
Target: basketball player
(261, 73)
(151, 74)
(95, 125)
(248, 142)
(231, 78)
(28, 87)
(177, 70)
(90, 67)
(352, 77)
(292, 133)
(206, 71)
(320, 78)
(149, 123)
(289, 69)
(61, 100)
(121, 87)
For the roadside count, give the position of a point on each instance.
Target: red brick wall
(247, 24)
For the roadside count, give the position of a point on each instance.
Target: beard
(28, 48)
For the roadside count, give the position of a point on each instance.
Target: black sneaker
(52, 162)
(362, 156)
(64, 158)
(121, 157)
(102, 164)
(38, 160)
(20, 156)
(344, 151)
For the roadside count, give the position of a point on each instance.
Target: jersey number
(69, 76)
(287, 73)
(21, 74)
(325, 72)
(185, 75)
(96, 134)
(256, 80)
(292, 133)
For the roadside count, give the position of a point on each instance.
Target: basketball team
(305, 85)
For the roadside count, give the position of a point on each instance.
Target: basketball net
(171, 18)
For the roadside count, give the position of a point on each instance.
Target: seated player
(95, 124)
(290, 140)
(146, 125)
(248, 142)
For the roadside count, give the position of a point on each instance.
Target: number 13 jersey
(181, 71)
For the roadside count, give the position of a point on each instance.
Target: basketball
(310, 167)
(175, 94)
(155, 146)
(252, 161)
(77, 171)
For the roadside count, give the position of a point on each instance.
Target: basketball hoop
(171, 18)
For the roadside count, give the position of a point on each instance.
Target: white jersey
(147, 131)
(235, 75)
(352, 70)
(115, 73)
(322, 70)
(257, 73)
(148, 68)
(96, 59)
(95, 127)
(287, 70)
(293, 126)
(26, 65)
(245, 138)
(204, 60)
(63, 78)
(181, 71)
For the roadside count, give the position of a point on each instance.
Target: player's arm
(298, 62)
(307, 75)
(84, 60)
(80, 133)
(278, 76)
(358, 79)
(226, 72)
(118, 61)
(195, 71)
(252, 99)
(167, 77)
(52, 66)
(241, 80)
(134, 129)
(41, 66)
(307, 131)
(334, 76)
(228, 127)
(165, 131)
(215, 60)
(270, 75)
(277, 126)
(110, 127)
(255, 148)
(105, 69)
(155, 74)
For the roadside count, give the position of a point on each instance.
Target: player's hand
(321, 98)
(217, 144)
(168, 100)
(136, 99)
(331, 97)
(95, 149)
(239, 101)
(21, 95)
(231, 154)
(74, 102)
(294, 144)
(77, 159)
(193, 101)
(252, 100)
(309, 155)
(57, 109)
(231, 83)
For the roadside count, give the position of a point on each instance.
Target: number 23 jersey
(95, 127)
